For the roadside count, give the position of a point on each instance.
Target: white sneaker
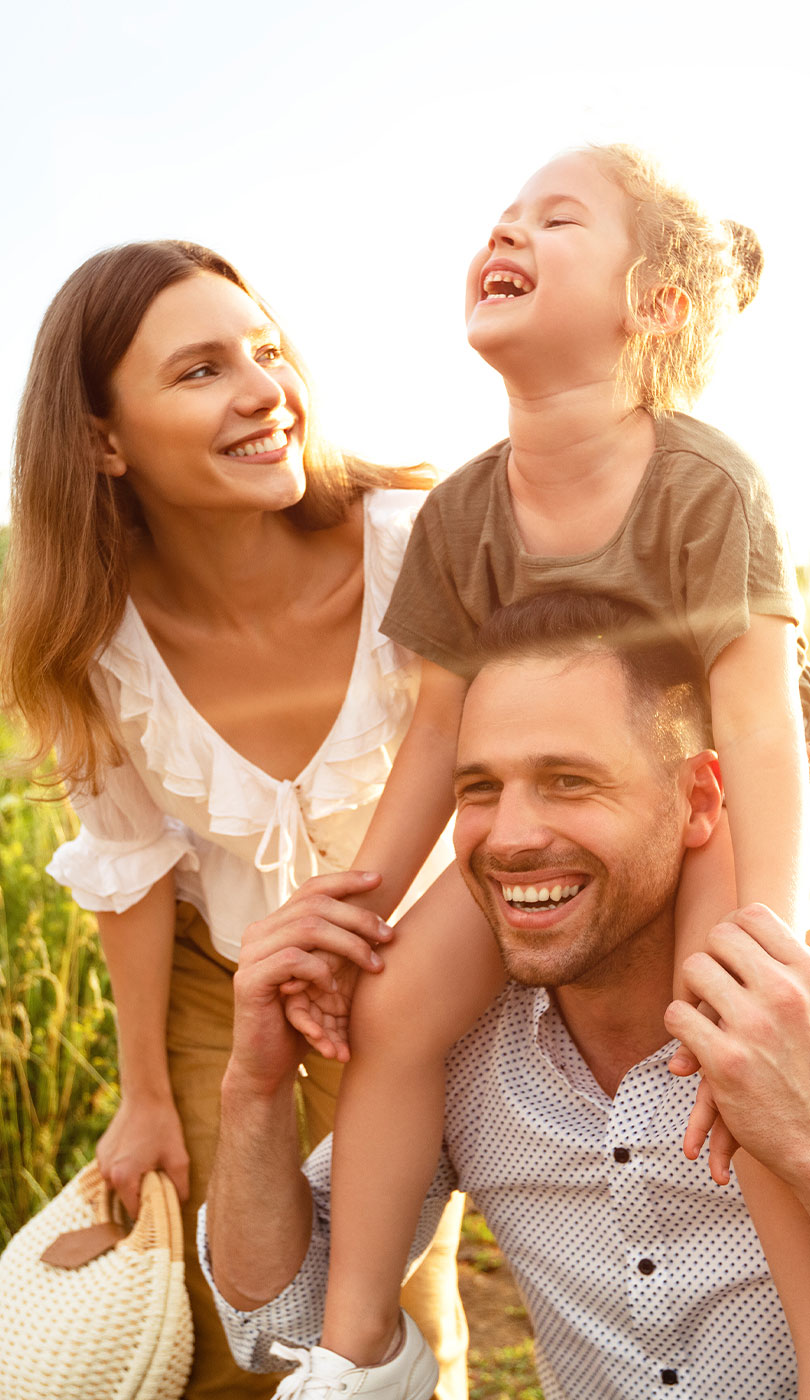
(410, 1375)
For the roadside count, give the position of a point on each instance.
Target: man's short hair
(666, 684)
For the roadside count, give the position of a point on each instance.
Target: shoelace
(304, 1376)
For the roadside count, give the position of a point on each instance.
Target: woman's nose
(258, 389)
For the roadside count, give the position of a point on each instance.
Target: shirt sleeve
(295, 1317)
(426, 612)
(124, 846)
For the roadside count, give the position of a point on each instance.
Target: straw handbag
(109, 1318)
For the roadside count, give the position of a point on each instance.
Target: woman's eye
(199, 372)
(270, 353)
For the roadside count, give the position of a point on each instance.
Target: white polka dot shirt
(641, 1277)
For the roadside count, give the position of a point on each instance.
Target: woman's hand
(145, 1135)
(309, 953)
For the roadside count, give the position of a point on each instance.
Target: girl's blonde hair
(67, 577)
(677, 245)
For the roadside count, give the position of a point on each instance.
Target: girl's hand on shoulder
(145, 1135)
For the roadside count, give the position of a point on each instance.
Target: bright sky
(351, 157)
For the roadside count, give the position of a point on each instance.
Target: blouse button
(646, 1266)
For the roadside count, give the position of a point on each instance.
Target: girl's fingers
(702, 1119)
(722, 1146)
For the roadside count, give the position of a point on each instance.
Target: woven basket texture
(118, 1327)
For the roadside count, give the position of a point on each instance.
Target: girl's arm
(417, 801)
(416, 805)
(146, 1131)
(759, 738)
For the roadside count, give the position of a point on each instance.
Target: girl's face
(206, 412)
(549, 289)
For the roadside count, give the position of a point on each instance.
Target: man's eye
(483, 788)
(570, 782)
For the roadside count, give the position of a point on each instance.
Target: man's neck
(616, 1016)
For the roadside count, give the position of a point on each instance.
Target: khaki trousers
(199, 1043)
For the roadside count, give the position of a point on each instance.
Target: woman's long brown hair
(67, 574)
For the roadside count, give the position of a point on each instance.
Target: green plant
(57, 1032)
(506, 1373)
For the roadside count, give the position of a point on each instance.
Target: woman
(192, 601)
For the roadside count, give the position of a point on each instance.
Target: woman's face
(206, 412)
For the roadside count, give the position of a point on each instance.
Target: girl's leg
(431, 1295)
(442, 970)
(707, 892)
(199, 1042)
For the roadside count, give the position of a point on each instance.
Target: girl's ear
(666, 310)
(108, 456)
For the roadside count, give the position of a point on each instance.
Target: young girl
(599, 298)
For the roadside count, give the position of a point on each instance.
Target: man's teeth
(500, 285)
(266, 444)
(539, 896)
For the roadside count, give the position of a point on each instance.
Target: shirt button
(621, 1154)
(669, 1377)
(646, 1266)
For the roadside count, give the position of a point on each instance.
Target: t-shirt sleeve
(733, 560)
(426, 613)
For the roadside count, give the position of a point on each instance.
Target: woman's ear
(666, 310)
(108, 456)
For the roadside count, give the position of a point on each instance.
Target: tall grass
(57, 1035)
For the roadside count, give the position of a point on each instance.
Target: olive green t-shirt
(700, 544)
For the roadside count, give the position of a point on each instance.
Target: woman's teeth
(266, 444)
(522, 896)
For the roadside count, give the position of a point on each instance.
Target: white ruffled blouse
(239, 840)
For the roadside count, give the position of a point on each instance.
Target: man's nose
(519, 824)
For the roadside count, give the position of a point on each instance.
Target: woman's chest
(271, 692)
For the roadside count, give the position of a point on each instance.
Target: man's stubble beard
(636, 903)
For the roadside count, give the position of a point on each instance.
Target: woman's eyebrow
(212, 347)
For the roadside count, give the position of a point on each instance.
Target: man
(583, 761)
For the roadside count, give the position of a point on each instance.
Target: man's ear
(665, 310)
(704, 795)
(109, 459)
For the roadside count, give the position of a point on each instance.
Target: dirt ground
(501, 1358)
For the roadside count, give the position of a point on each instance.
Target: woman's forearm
(138, 947)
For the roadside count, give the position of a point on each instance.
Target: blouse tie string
(289, 819)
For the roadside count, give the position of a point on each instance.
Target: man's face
(569, 832)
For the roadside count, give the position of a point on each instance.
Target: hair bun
(749, 258)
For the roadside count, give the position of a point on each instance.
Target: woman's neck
(233, 569)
